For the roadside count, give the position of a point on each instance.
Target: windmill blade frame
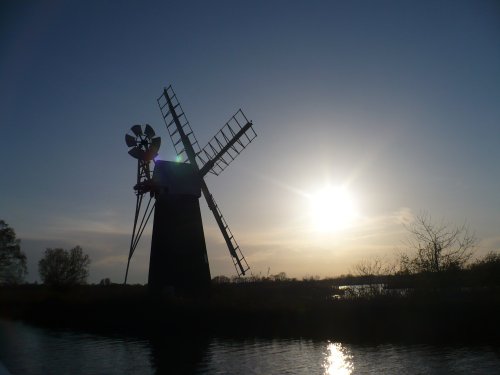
(168, 111)
(187, 147)
(228, 143)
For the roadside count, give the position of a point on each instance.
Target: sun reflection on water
(338, 360)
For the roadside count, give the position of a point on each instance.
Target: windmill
(178, 251)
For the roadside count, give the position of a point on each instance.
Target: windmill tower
(178, 251)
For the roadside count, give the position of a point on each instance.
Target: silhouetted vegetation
(441, 297)
(60, 267)
(12, 259)
(285, 308)
(484, 272)
(436, 247)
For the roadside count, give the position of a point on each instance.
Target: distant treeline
(484, 272)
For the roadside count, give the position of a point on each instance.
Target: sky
(396, 103)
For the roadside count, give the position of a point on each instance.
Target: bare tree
(436, 247)
(376, 266)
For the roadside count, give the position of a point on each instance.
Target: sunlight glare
(338, 360)
(332, 209)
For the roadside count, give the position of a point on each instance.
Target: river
(25, 349)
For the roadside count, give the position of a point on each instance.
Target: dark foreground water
(30, 350)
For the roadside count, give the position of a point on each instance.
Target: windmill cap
(176, 178)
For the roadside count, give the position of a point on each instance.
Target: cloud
(105, 222)
(404, 216)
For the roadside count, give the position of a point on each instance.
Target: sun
(332, 209)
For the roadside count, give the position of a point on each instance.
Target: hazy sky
(397, 101)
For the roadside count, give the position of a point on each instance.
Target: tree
(105, 282)
(436, 247)
(486, 271)
(12, 260)
(373, 267)
(60, 267)
(279, 277)
(221, 279)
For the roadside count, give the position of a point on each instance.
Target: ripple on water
(29, 350)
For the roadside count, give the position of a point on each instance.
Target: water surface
(31, 350)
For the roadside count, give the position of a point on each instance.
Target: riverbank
(265, 309)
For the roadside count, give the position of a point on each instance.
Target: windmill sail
(220, 151)
(239, 261)
(227, 144)
(172, 111)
